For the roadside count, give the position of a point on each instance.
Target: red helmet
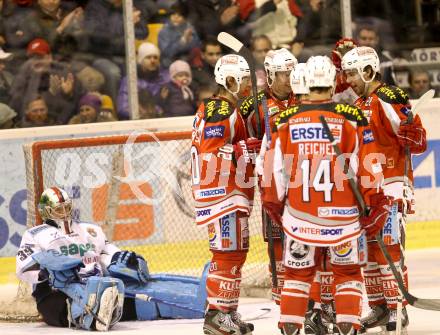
(341, 48)
(24, 3)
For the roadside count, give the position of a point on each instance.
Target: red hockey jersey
(220, 184)
(302, 172)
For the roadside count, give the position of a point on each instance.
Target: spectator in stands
(177, 37)
(5, 77)
(234, 16)
(104, 31)
(419, 82)
(54, 21)
(107, 112)
(318, 29)
(19, 27)
(177, 98)
(7, 116)
(89, 109)
(203, 68)
(367, 36)
(150, 77)
(36, 114)
(148, 109)
(260, 46)
(40, 75)
(92, 81)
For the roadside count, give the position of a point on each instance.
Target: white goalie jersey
(87, 242)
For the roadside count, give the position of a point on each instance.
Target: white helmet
(231, 65)
(320, 72)
(55, 205)
(278, 61)
(298, 79)
(359, 58)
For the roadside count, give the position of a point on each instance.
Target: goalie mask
(358, 59)
(281, 60)
(55, 205)
(231, 65)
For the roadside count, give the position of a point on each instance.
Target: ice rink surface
(424, 271)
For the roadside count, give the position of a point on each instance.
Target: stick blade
(422, 100)
(428, 304)
(230, 41)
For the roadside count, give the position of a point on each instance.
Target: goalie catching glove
(413, 136)
(377, 216)
(129, 266)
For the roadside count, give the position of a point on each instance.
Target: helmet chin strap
(366, 82)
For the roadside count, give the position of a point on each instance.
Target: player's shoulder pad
(351, 113)
(392, 95)
(92, 229)
(284, 116)
(247, 106)
(38, 229)
(217, 110)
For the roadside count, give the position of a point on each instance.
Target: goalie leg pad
(86, 302)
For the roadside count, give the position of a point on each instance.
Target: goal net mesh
(138, 188)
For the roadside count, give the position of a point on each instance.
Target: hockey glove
(248, 149)
(413, 136)
(274, 211)
(341, 48)
(375, 220)
(129, 266)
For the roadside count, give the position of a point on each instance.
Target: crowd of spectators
(63, 62)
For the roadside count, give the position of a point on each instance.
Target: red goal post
(138, 187)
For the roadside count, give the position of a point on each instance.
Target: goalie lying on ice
(80, 279)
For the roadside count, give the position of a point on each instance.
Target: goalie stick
(429, 304)
(234, 44)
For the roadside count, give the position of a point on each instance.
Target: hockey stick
(429, 304)
(146, 297)
(234, 44)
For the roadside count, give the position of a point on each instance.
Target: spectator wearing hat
(7, 116)
(150, 77)
(36, 114)
(89, 109)
(107, 112)
(41, 75)
(177, 98)
(5, 77)
(177, 37)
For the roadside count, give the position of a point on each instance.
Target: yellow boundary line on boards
(194, 254)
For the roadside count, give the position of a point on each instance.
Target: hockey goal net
(138, 188)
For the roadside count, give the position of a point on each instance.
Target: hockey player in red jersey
(305, 188)
(343, 91)
(387, 109)
(278, 65)
(223, 188)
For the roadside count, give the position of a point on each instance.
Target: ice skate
(328, 317)
(313, 323)
(236, 317)
(378, 316)
(391, 325)
(290, 329)
(219, 323)
(346, 328)
(107, 306)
